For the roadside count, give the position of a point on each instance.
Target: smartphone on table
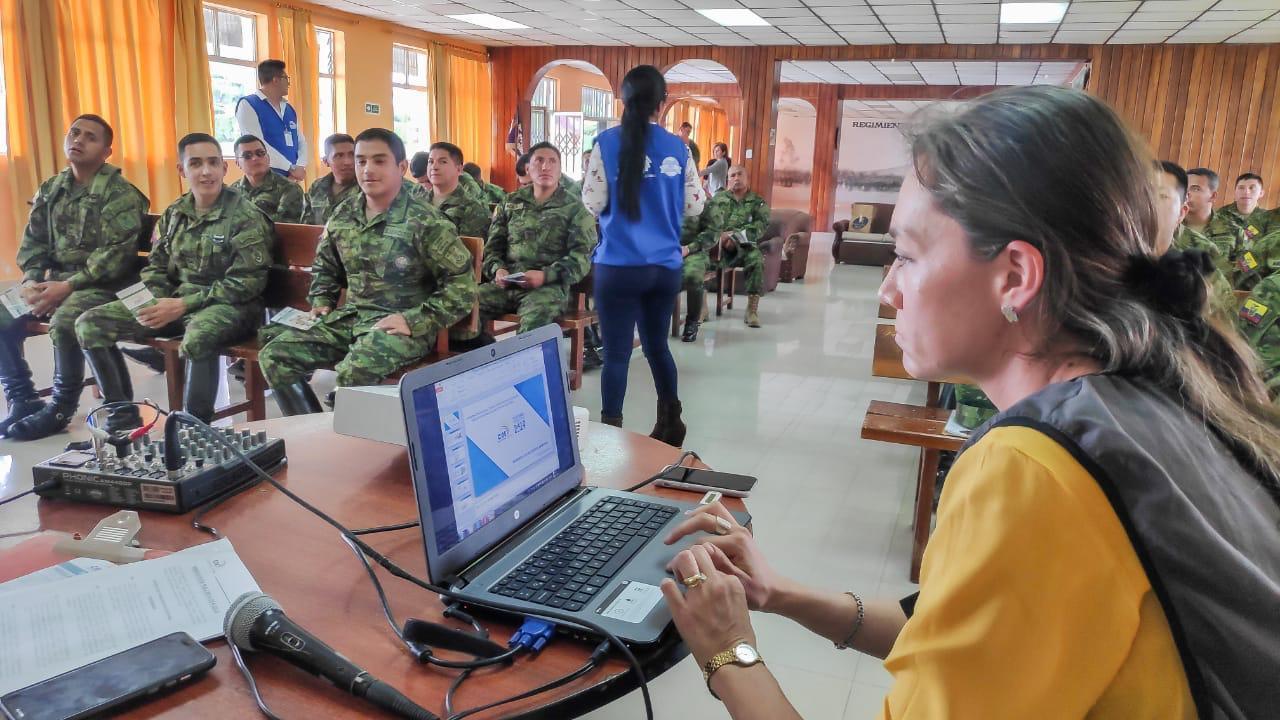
(700, 480)
(94, 689)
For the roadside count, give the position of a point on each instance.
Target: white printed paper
(295, 318)
(98, 614)
(136, 296)
(61, 571)
(634, 602)
(13, 302)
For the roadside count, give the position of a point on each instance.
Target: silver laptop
(499, 486)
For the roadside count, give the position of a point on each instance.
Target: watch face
(745, 653)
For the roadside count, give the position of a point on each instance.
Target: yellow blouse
(1033, 604)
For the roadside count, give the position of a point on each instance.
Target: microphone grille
(241, 615)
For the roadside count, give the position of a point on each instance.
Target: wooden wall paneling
(826, 138)
(1271, 116)
(1176, 109)
(1246, 130)
(1252, 154)
(1227, 121)
(1198, 92)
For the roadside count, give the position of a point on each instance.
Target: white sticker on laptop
(632, 602)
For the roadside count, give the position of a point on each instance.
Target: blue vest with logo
(276, 128)
(653, 239)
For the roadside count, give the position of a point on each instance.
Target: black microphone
(256, 622)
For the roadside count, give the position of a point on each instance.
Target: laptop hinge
(497, 552)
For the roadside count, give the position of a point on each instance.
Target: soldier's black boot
(693, 315)
(614, 420)
(201, 388)
(68, 382)
(296, 399)
(670, 429)
(146, 356)
(15, 376)
(108, 368)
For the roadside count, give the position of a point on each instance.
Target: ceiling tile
(1246, 5)
(1166, 15)
(1257, 35)
(1144, 25)
(1255, 15)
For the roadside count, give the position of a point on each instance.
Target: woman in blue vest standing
(641, 182)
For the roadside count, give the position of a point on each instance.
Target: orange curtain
(301, 58)
(67, 57)
(470, 108)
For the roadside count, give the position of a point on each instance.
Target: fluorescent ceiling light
(1018, 13)
(493, 22)
(734, 17)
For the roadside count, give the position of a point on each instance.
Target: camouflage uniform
(1257, 322)
(319, 202)
(1226, 235)
(1256, 237)
(407, 260)
(494, 194)
(469, 214)
(726, 213)
(698, 262)
(1221, 299)
(86, 236)
(216, 263)
(973, 407)
(557, 237)
(279, 199)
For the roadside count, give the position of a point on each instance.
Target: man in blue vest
(267, 115)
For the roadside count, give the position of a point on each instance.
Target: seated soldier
(207, 270)
(1257, 322)
(494, 194)
(1252, 260)
(447, 193)
(338, 185)
(697, 263)
(1171, 186)
(406, 276)
(544, 233)
(279, 199)
(737, 220)
(522, 172)
(418, 171)
(79, 247)
(1202, 221)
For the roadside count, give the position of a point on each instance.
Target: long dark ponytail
(643, 90)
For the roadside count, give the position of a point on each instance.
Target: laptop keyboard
(569, 571)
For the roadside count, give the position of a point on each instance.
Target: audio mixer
(135, 477)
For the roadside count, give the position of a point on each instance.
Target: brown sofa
(866, 245)
(794, 229)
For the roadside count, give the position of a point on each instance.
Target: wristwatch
(740, 653)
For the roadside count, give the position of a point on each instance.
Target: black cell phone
(112, 681)
(698, 480)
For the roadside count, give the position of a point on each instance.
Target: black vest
(1206, 531)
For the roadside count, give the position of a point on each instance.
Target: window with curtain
(410, 100)
(327, 103)
(542, 107)
(597, 113)
(231, 39)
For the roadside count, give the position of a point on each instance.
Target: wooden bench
(573, 323)
(925, 428)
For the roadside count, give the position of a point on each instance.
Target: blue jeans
(628, 297)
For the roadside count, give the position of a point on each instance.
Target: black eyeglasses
(251, 154)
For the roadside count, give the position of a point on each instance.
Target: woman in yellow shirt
(1108, 546)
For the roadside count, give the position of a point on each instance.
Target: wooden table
(303, 563)
(886, 361)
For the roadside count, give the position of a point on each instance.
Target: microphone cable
(549, 614)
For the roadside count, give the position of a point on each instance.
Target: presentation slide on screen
(499, 439)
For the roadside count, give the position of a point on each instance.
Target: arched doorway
(705, 94)
(793, 155)
(570, 102)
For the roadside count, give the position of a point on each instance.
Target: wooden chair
(925, 428)
(719, 276)
(573, 322)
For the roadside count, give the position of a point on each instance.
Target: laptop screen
(490, 437)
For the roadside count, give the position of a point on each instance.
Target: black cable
(453, 688)
(385, 528)
(34, 489)
(658, 475)
(597, 656)
(391, 567)
(420, 653)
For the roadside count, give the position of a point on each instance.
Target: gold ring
(694, 581)
(723, 527)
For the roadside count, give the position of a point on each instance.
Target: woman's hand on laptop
(711, 613)
(732, 549)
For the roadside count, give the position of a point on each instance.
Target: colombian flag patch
(1252, 311)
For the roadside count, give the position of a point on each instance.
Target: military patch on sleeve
(1247, 262)
(458, 256)
(1250, 231)
(1253, 311)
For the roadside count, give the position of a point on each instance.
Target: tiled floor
(784, 403)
